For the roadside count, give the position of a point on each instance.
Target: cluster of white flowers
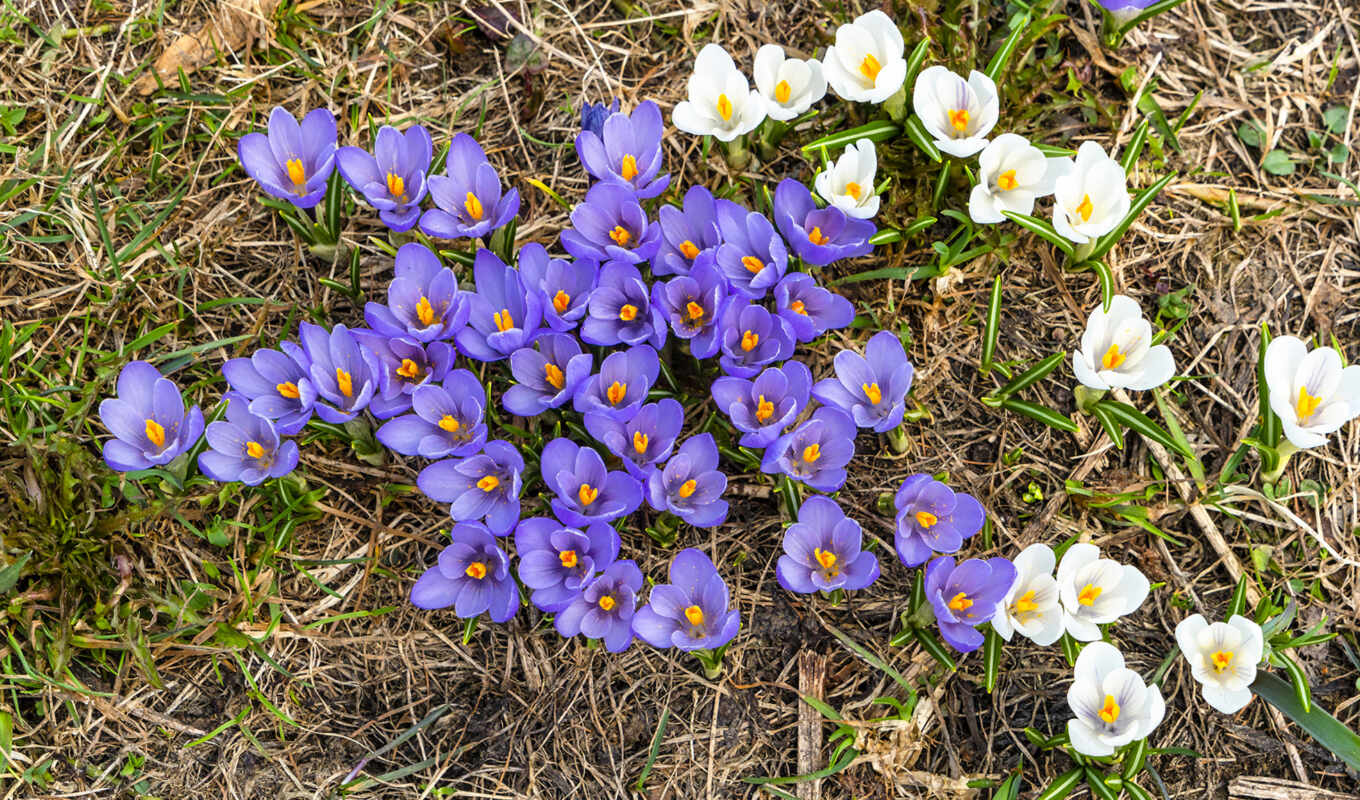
(1088, 591)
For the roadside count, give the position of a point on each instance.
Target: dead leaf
(229, 30)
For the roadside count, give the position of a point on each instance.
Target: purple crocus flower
(933, 518)
(406, 366)
(627, 151)
(1125, 10)
(642, 441)
(621, 385)
(686, 233)
(593, 115)
(690, 486)
(423, 301)
(563, 287)
(965, 596)
(147, 420)
(549, 374)
(604, 608)
(586, 492)
(752, 256)
(446, 420)
(469, 199)
(822, 551)
(763, 407)
(485, 485)
(292, 162)
(871, 388)
(392, 179)
(472, 575)
(815, 452)
(751, 338)
(809, 309)
(276, 384)
(246, 448)
(611, 226)
(503, 315)
(818, 236)
(692, 303)
(692, 612)
(557, 561)
(345, 374)
(621, 310)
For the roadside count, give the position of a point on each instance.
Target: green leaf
(1251, 134)
(991, 658)
(992, 327)
(1135, 146)
(872, 659)
(9, 576)
(1335, 119)
(916, 60)
(1140, 202)
(1099, 789)
(1278, 162)
(1151, 11)
(1238, 603)
(1041, 228)
(1173, 427)
(1003, 56)
(1009, 788)
(655, 750)
(877, 131)
(1031, 376)
(1136, 792)
(917, 133)
(1106, 278)
(941, 183)
(1044, 414)
(1270, 422)
(1133, 759)
(935, 648)
(1061, 786)
(1132, 418)
(1325, 729)
(1299, 681)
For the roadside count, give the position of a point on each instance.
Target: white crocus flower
(1095, 590)
(789, 85)
(1311, 392)
(1117, 351)
(1092, 198)
(1112, 704)
(721, 102)
(849, 183)
(1223, 658)
(866, 64)
(1031, 607)
(958, 113)
(1012, 173)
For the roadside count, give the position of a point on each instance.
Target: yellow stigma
(749, 340)
(473, 206)
(396, 187)
(503, 320)
(782, 92)
(1113, 358)
(872, 392)
(587, 494)
(409, 369)
(628, 170)
(1085, 209)
(694, 310)
(926, 519)
(561, 301)
(287, 389)
(640, 441)
(1307, 404)
(296, 173)
(254, 449)
(1025, 604)
(607, 603)
(724, 108)
(488, 483)
(616, 392)
(1110, 711)
(1088, 594)
(621, 236)
(752, 264)
(476, 570)
(798, 307)
(345, 382)
(553, 375)
(958, 118)
(689, 250)
(568, 559)
(764, 409)
(425, 311)
(1006, 181)
(1222, 660)
(824, 557)
(817, 237)
(853, 189)
(448, 423)
(628, 313)
(960, 602)
(870, 67)
(687, 488)
(695, 615)
(812, 452)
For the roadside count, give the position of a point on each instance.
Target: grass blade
(1042, 229)
(916, 60)
(655, 750)
(1061, 786)
(1044, 414)
(1325, 729)
(1133, 419)
(1032, 375)
(991, 658)
(877, 131)
(1003, 55)
(993, 326)
(872, 659)
(1135, 147)
(917, 133)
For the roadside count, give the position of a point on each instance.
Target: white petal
(1001, 622)
(1228, 701)
(1085, 740)
(1057, 168)
(1301, 438)
(765, 69)
(1284, 354)
(1085, 375)
(1097, 660)
(1186, 632)
(982, 207)
(1037, 559)
(1133, 588)
(1156, 711)
(1158, 366)
(688, 118)
(961, 148)
(1051, 630)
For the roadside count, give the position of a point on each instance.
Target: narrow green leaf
(1135, 146)
(9, 576)
(992, 327)
(1041, 228)
(1152, 11)
(1133, 759)
(335, 195)
(917, 133)
(1325, 729)
(1140, 202)
(1031, 376)
(1106, 279)
(1096, 782)
(916, 60)
(1137, 792)
(1173, 427)
(1133, 419)
(991, 658)
(1270, 421)
(1009, 788)
(1061, 786)
(1003, 56)
(1048, 416)
(935, 648)
(1302, 691)
(872, 659)
(657, 739)
(1069, 648)
(941, 183)
(879, 130)
(1238, 603)
(886, 236)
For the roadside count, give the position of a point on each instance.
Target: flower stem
(737, 154)
(897, 439)
(1283, 451)
(1087, 397)
(793, 498)
(1080, 254)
